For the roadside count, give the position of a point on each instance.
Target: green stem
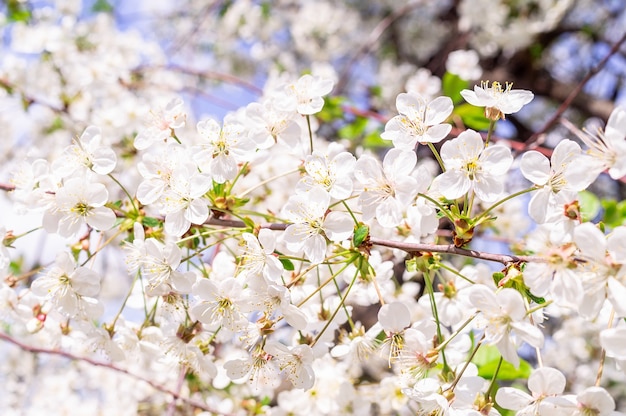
(441, 207)
(341, 303)
(350, 212)
(436, 154)
(455, 333)
(266, 181)
(308, 123)
(234, 181)
(469, 360)
(493, 379)
(130, 198)
(431, 295)
(453, 271)
(130, 291)
(502, 201)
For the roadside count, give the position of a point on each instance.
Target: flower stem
(130, 198)
(308, 123)
(502, 201)
(431, 295)
(492, 125)
(436, 154)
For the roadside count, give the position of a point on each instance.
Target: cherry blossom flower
(221, 304)
(419, 121)
(329, 172)
(258, 258)
(387, 190)
(472, 167)
(159, 264)
(222, 148)
(79, 202)
(162, 124)
(259, 367)
(498, 101)
(305, 95)
(268, 125)
(295, 362)
(65, 285)
(606, 149)
(465, 64)
(556, 187)
(603, 271)
(543, 383)
(312, 225)
(183, 201)
(501, 314)
(157, 168)
(88, 152)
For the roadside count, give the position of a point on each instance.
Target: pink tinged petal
(101, 218)
(315, 249)
(546, 381)
(394, 317)
(453, 184)
(590, 241)
(438, 111)
(512, 398)
(535, 167)
(338, 226)
(617, 294)
(613, 340)
(197, 212)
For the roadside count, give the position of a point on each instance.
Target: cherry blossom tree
(249, 207)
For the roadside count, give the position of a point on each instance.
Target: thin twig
(156, 386)
(570, 98)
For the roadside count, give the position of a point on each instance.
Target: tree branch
(156, 386)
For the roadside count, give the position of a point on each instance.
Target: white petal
(535, 167)
(394, 317)
(546, 381)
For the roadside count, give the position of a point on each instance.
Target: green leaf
(473, 117)
(287, 264)
(17, 11)
(373, 140)
(452, 86)
(360, 234)
(332, 109)
(487, 358)
(589, 205)
(150, 222)
(353, 130)
(102, 6)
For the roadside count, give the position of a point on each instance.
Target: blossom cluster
(250, 264)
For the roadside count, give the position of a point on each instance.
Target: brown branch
(156, 386)
(408, 247)
(570, 98)
(451, 249)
